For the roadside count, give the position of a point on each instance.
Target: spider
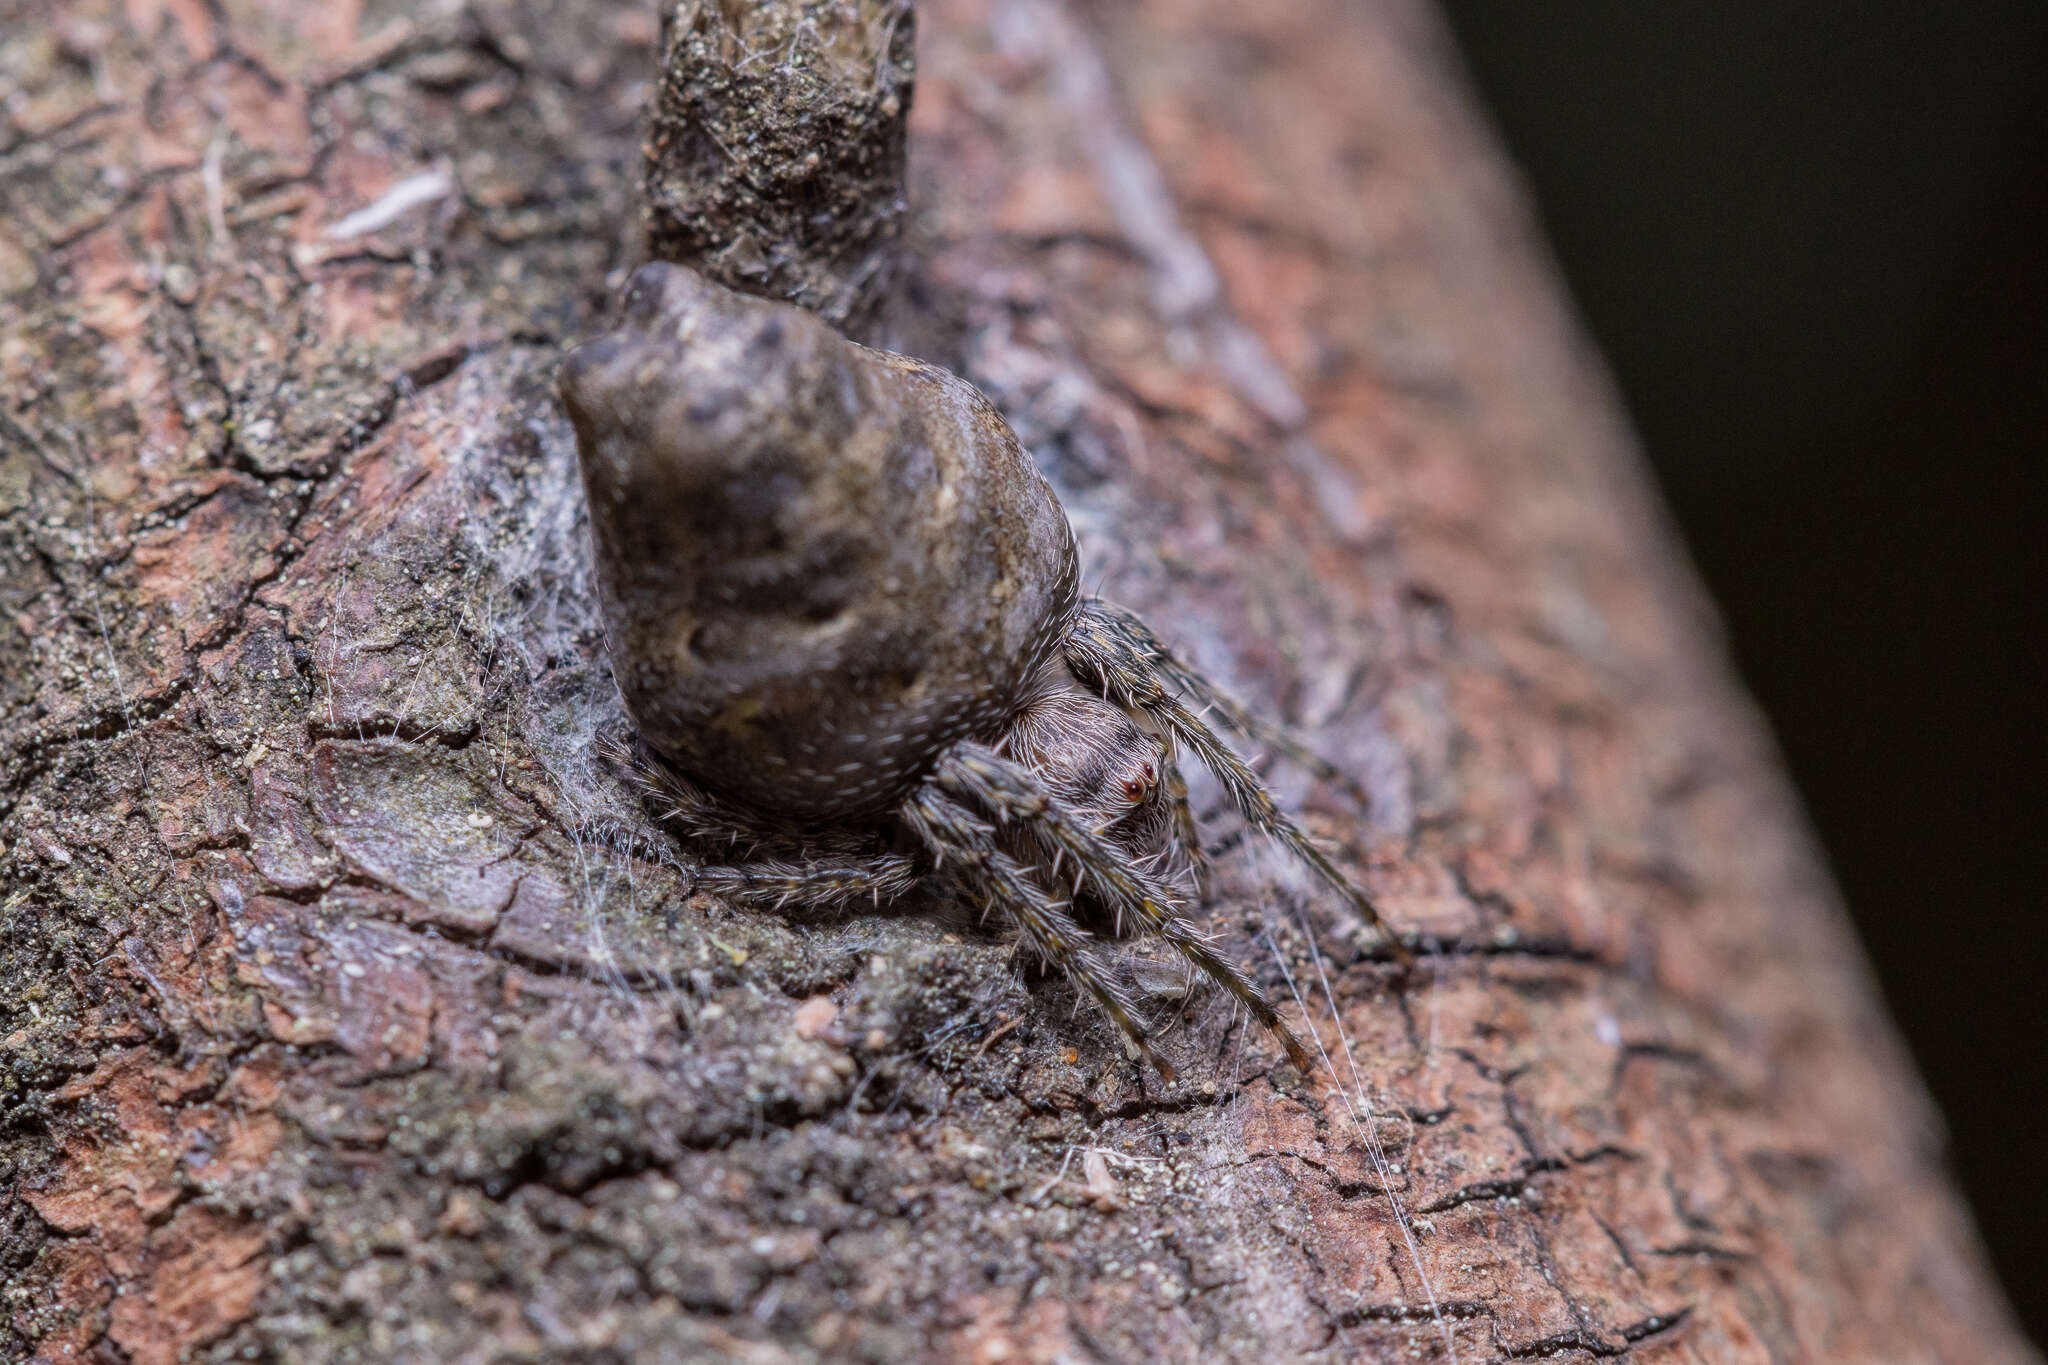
(843, 609)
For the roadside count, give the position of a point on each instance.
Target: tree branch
(352, 1007)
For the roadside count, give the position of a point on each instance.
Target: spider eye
(1139, 786)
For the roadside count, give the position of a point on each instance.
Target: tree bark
(352, 1010)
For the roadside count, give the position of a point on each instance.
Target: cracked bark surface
(350, 1011)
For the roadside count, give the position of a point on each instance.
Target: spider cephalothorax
(843, 609)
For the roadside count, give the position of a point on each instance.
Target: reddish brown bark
(350, 1011)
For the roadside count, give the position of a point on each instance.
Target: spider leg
(817, 884)
(1115, 653)
(1231, 714)
(1007, 790)
(692, 812)
(967, 844)
(1186, 835)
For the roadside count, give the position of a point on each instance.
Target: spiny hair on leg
(1113, 651)
(1187, 835)
(826, 885)
(695, 814)
(980, 777)
(1213, 699)
(966, 846)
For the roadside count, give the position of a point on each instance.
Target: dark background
(1810, 240)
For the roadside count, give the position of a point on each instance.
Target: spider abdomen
(821, 565)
